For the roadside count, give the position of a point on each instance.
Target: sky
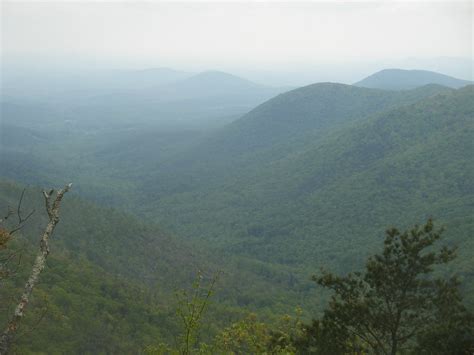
(243, 37)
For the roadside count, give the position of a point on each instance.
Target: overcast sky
(232, 35)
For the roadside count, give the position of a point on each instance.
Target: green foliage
(452, 330)
(95, 295)
(248, 336)
(191, 308)
(80, 308)
(190, 311)
(252, 336)
(396, 300)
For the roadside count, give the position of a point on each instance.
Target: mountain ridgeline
(398, 79)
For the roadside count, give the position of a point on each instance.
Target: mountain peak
(402, 79)
(221, 78)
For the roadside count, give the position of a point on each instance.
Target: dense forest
(403, 302)
(328, 219)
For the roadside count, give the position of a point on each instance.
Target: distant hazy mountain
(140, 79)
(399, 79)
(214, 77)
(198, 98)
(209, 85)
(158, 95)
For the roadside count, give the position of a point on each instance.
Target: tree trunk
(394, 345)
(40, 261)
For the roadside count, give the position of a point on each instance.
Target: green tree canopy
(396, 305)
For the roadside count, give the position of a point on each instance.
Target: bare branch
(21, 220)
(38, 266)
(18, 210)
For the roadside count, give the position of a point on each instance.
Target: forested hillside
(401, 165)
(107, 273)
(111, 280)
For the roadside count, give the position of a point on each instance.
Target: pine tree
(396, 305)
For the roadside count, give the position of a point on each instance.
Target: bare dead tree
(52, 204)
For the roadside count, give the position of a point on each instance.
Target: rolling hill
(399, 79)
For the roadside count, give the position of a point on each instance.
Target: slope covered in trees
(108, 284)
(110, 280)
(403, 165)
(293, 115)
(278, 128)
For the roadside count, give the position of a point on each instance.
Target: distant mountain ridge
(210, 84)
(400, 79)
(158, 96)
(198, 98)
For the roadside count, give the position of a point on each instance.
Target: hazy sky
(239, 35)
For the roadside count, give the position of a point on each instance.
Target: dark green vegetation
(404, 164)
(307, 179)
(396, 305)
(110, 281)
(399, 79)
(94, 295)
